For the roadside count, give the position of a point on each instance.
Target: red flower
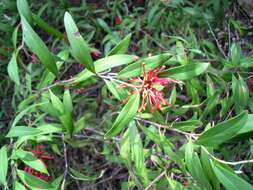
(146, 86)
(39, 151)
(118, 20)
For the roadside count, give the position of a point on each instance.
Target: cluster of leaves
(202, 141)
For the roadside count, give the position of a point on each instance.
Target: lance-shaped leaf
(33, 182)
(24, 10)
(223, 131)
(31, 160)
(56, 102)
(240, 91)
(194, 166)
(235, 54)
(37, 46)
(79, 46)
(185, 72)
(13, 69)
(20, 131)
(136, 68)
(122, 46)
(125, 116)
(106, 63)
(229, 179)
(4, 165)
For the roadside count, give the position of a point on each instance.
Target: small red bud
(118, 20)
(95, 54)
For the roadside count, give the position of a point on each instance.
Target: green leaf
(194, 166)
(56, 102)
(235, 53)
(57, 182)
(79, 46)
(211, 103)
(240, 92)
(33, 182)
(104, 25)
(20, 131)
(47, 78)
(185, 72)
(105, 64)
(31, 160)
(137, 151)
(82, 122)
(188, 125)
(15, 36)
(248, 126)
(37, 46)
(125, 147)
(4, 165)
(24, 10)
(19, 186)
(223, 131)
(247, 62)
(121, 47)
(79, 176)
(175, 185)
(125, 116)
(113, 87)
(67, 122)
(206, 163)
(230, 180)
(13, 69)
(136, 68)
(173, 96)
(49, 128)
(67, 101)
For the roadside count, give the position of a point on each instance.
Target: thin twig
(216, 40)
(66, 163)
(58, 83)
(194, 136)
(157, 179)
(227, 162)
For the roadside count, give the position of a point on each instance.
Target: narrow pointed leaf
(31, 160)
(229, 179)
(37, 46)
(223, 131)
(185, 72)
(122, 46)
(106, 63)
(67, 101)
(4, 165)
(194, 166)
(56, 102)
(125, 116)
(13, 69)
(33, 182)
(24, 10)
(79, 46)
(136, 69)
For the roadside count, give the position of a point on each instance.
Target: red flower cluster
(146, 86)
(40, 153)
